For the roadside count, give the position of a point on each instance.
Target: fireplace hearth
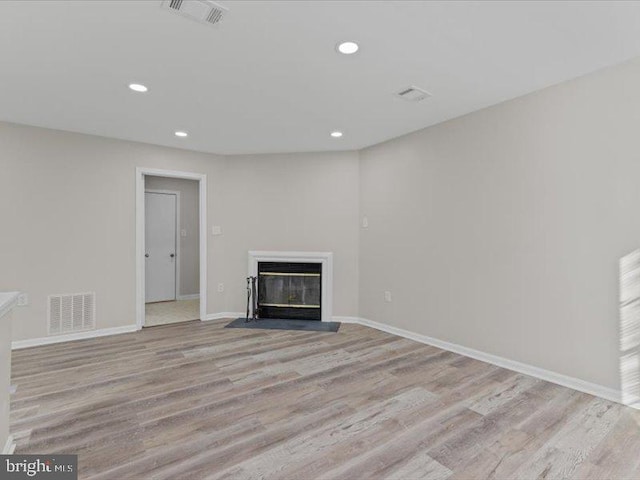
(290, 290)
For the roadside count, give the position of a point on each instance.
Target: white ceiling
(268, 79)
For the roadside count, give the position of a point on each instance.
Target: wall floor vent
(71, 313)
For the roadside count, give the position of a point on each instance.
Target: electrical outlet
(220, 287)
(387, 296)
(365, 222)
(23, 300)
(183, 232)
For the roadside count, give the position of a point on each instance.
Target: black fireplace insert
(290, 290)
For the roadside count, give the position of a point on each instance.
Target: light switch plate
(365, 222)
(216, 230)
(387, 296)
(183, 232)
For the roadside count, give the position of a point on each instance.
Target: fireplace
(320, 262)
(290, 290)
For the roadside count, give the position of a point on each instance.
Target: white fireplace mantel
(324, 258)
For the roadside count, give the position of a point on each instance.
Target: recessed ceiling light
(336, 134)
(181, 134)
(347, 48)
(137, 87)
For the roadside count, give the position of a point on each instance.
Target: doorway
(170, 247)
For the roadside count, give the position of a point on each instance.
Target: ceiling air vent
(203, 11)
(413, 94)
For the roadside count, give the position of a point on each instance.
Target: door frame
(140, 224)
(177, 239)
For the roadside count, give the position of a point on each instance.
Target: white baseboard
(9, 446)
(35, 342)
(221, 315)
(547, 375)
(346, 319)
(194, 296)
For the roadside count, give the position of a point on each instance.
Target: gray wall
(68, 204)
(189, 254)
(502, 230)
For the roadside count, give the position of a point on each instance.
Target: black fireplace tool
(252, 299)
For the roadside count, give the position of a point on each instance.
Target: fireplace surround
(293, 284)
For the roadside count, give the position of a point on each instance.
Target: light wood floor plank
(195, 400)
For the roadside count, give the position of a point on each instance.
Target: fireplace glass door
(289, 290)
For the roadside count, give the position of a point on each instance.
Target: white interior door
(160, 246)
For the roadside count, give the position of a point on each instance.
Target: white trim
(177, 253)
(221, 315)
(9, 446)
(202, 213)
(346, 319)
(547, 375)
(324, 258)
(194, 296)
(103, 332)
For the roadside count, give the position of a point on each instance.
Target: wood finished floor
(194, 400)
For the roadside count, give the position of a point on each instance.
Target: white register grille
(71, 312)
